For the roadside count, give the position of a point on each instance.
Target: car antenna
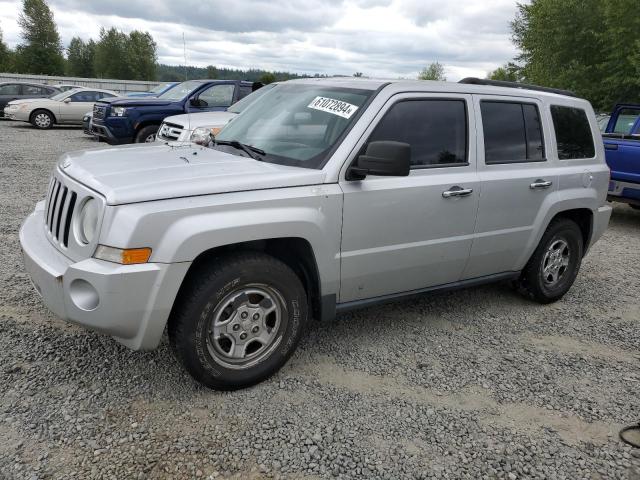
(184, 46)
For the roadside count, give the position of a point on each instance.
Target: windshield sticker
(336, 107)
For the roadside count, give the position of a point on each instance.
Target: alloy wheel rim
(244, 326)
(555, 262)
(150, 138)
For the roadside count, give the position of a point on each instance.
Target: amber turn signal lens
(132, 256)
(126, 256)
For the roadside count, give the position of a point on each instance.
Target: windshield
(181, 90)
(297, 124)
(160, 88)
(240, 105)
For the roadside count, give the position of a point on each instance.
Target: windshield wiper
(248, 149)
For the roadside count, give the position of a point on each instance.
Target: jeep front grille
(59, 207)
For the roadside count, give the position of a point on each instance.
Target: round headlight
(87, 221)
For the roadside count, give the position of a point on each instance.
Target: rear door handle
(457, 192)
(611, 146)
(540, 184)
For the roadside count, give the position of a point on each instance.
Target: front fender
(178, 230)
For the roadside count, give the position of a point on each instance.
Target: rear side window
(573, 133)
(435, 129)
(512, 132)
(10, 89)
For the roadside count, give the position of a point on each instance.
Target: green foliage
(176, 73)
(267, 78)
(435, 71)
(81, 58)
(507, 73)
(588, 46)
(41, 52)
(212, 72)
(6, 56)
(128, 57)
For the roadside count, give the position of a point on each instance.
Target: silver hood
(138, 173)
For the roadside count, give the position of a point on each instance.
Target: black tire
(42, 119)
(203, 299)
(532, 281)
(146, 133)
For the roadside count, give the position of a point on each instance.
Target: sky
(380, 38)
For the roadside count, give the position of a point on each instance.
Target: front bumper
(129, 302)
(114, 130)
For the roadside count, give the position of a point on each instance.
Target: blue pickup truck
(121, 120)
(622, 148)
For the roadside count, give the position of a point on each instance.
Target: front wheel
(238, 320)
(147, 134)
(42, 119)
(552, 269)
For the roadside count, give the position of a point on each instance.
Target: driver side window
(436, 130)
(217, 95)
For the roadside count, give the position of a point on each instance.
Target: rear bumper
(601, 219)
(131, 303)
(626, 192)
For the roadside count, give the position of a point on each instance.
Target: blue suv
(136, 120)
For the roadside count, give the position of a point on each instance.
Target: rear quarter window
(573, 133)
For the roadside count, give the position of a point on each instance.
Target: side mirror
(67, 100)
(386, 158)
(196, 102)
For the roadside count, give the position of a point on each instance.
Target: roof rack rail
(522, 86)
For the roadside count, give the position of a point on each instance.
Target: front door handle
(457, 192)
(540, 184)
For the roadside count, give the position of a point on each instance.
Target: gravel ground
(473, 384)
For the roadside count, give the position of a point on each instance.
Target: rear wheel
(238, 320)
(147, 134)
(42, 119)
(553, 268)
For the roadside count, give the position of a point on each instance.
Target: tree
(141, 55)
(128, 57)
(6, 59)
(588, 46)
(212, 72)
(110, 54)
(81, 58)
(507, 73)
(267, 78)
(358, 75)
(41, 52)
(435, 71)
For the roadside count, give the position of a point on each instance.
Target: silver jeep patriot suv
(323, 196)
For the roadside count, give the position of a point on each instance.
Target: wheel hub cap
(244, 325)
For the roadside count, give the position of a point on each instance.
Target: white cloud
(386, 38)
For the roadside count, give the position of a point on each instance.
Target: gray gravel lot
(472, 384)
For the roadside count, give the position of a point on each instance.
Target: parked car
(10, 91)
(154, 92)
(127, 120)
(65, 87)
(326, 195)
(622, 147)
(198, 127)
(64, 108)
